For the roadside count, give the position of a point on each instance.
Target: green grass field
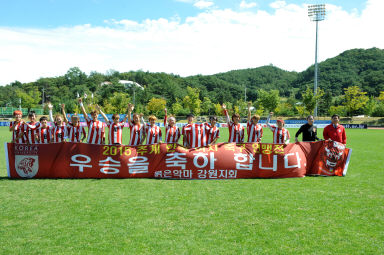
(312, 215)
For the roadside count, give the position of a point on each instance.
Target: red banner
(173, 161)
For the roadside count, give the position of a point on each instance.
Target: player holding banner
(254, 130)
(59, 130)
(236, 130)
(16, 127)
(137, 129)
(30, 128)
(44, 132)
(195, 135)
(115, 127)
(75, 132)
(214, 131)
(172, 132)
(152, 131)
(96, 128)
(280, 134)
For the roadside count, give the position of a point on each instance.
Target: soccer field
(311, 215)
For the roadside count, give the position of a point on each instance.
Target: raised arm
(268, 119)
(130, 109)
(126, 115)
(165, 117)
(249, 111)
(63, 112)
(102, 114)
(83, 109)
(224, 107)
(50, 107)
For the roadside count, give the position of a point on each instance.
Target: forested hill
(364, 68)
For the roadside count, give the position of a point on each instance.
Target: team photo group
(193, 135)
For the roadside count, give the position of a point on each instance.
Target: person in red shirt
(254, 130)
(236, 130)
(30, 128)
(172, 132)
(335, 131)
(280, 134)
(115, 127)
(44, 132)
(16, 127)
(75, 132)
(214, 131)
(59, 129)
(153, 132)
(136, 129)
(96, 128)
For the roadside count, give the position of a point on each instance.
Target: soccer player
(59, 130)
(16, 127)
(309, 131)
(280, 134)
(96, 128)
(152, 131)
(335, 131)
(172, 132)
(190, 119)
(195, 135)
(254, 130)
(236, 130)
(214, 131)
(30, 128)
(44, 132)
(115, 127)
(137, 129)
(75, 132)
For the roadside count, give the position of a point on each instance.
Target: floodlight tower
(316, 13)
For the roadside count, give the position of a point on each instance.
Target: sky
(44, 38)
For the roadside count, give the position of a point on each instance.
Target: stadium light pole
(316, 12)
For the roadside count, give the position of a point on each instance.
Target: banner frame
(347, 162)
(7, 159)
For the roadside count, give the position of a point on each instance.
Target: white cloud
(203, 4)
(278, 4)
(245, 5)
(211, 42)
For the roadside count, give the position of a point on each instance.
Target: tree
(269, 99)
(310, 100)
(218, 109)
(156, 105)
(28, 98)
(207, 105)
(192, 100)
(117, 103)
(354, 99)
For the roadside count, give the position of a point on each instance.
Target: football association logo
(26, 165)
(331, 156)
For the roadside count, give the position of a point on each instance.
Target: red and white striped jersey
(137, 134)
(18, 129)
(75, 133)
(30, 132)
(236, 132)
(115, 132)
(96, 131)
(279, 135)
(255, 132)
(44, 134)
(197, 135)
(172, 134)
(59, 134)
(153, 134)
(185, 142)
(213, 133)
